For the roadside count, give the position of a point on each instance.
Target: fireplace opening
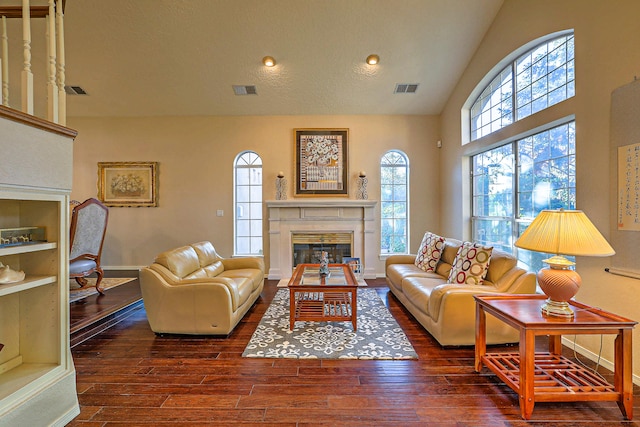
(307, 247)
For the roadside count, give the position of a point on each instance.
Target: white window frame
(384, 164)
(253, 189)
(509, 96)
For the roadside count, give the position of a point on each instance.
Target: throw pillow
(471, 264)
(430, 252)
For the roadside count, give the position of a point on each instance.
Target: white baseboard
(594, 357)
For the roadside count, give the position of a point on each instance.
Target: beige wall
(196, 156)
(607, 56)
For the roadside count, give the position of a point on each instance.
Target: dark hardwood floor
(128, 376)
(90, 315)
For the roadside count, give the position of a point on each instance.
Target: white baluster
(52, 88)
(5, 63)
(62, 95)
(27, 76)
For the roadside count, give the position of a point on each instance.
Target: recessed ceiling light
(269, 61)
(373, 59)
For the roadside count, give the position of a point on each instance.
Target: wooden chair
(88, 228)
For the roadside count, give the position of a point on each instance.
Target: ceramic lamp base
(560, 285)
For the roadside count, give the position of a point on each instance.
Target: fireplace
(345, 219)
(307, 247)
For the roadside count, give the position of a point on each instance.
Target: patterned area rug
(378, 336)
(77, 293)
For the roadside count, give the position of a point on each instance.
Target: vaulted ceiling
(182, 57)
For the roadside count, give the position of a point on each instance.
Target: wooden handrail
(35, 11)
(16, 11)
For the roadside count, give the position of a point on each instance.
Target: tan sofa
(447, 310)
(193, 290)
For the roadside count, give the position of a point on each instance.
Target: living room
(196, 152)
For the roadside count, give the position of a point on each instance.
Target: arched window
(532, 82)
(248, 203)
(524, 170)
(394, 200)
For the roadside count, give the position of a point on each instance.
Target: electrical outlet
(219, 212)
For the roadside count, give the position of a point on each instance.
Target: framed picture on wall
(321, 162)
(128, 184)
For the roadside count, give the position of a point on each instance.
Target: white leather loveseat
(193, 290)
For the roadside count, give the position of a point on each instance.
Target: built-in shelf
(37, 377)
(29, 282)
(20, 377)
(27, 248)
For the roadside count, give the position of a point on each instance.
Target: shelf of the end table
(556, 378)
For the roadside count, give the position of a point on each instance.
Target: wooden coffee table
(317, 299)
(548, 376)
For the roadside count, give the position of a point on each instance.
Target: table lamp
(562, 232)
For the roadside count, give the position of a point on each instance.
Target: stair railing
(53, 14)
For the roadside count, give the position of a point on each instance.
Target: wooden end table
(548, 376)
(314, 298)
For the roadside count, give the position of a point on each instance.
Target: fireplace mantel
(326, 215)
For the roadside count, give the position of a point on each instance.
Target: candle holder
(361, 194)
(281, 187)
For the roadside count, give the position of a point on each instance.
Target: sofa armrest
(243, 262)
(399, 259)
(523, 283)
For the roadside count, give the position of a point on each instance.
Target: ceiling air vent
(74, 90)
(244, 90)
(406, 88)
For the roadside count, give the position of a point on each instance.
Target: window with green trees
(394, 200)
(248, 204)
(540, 78)
(512, 183)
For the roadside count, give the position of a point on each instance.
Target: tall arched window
(248, 203)
(394, 201)
(524, 171)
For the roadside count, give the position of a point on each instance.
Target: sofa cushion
(214, 269)
(253, 276)
(429, 252)
(397, 272)
(207, 254)
(501, 263)
(180, 261)
(471, 264)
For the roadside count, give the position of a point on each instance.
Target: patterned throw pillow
(471, 264)
(430, 252)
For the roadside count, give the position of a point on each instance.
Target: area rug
(77, 293)
(378, 335)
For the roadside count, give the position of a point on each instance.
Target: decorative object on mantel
(562, 232)
(128, 184)
(7, 275)
(321, 162)
(281, 187)
(324, 265)
(362, 186)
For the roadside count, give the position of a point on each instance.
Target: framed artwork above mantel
(321, 162)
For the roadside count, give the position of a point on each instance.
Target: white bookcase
(37, 376)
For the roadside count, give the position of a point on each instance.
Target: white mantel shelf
(320, 214)
(323, 203)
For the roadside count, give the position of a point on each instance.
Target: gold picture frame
(321, 162)
(128, 184)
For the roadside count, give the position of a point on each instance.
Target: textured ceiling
(181, 57)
